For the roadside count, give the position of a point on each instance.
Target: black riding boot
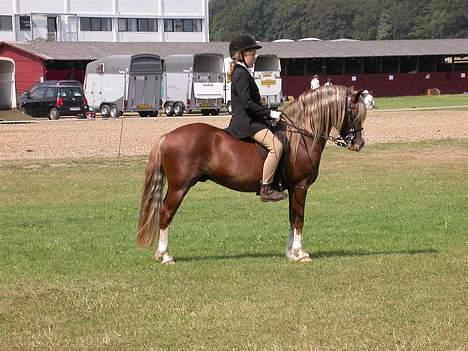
(267, 193)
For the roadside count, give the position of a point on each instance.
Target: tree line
(269, 20)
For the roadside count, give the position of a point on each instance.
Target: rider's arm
(242, 82)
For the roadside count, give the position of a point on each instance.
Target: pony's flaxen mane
(316, 112)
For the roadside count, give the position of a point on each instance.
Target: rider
(249, 117)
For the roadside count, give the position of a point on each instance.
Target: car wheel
(205, 112)
(105, 111)
(168, 110)
(53, 114)
(114, 112)
(178, 108)
(215, 112)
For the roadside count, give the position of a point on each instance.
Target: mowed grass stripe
(386, 229)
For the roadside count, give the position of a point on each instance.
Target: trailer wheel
(214, 112)
(114, 112)
(105, 111)
(178, 108)
(229, 107)
(205, 112)
(168, 109)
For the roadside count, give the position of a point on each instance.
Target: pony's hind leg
(168, 209)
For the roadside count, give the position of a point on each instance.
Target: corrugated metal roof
(298, 49)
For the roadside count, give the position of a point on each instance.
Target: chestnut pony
(199, 152)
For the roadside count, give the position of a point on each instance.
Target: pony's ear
(356, 95)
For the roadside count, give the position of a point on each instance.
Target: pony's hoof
(305, 259)
(299, 256)
(168, 260)
(164, 258)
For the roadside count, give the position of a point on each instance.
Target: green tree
(384, 29)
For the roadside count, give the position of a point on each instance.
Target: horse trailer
(124, 83)
(267, 76)
(193, 82)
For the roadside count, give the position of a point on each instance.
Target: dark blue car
(55, 98)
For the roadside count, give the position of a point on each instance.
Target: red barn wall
(402, 84)
(29, 69)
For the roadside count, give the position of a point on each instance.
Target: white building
(105, 20)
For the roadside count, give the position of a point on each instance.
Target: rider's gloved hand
(275, 116)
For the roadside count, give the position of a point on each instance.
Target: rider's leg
(275, 149)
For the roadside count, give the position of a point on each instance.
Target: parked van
(124, 83)
(193, 82)
(267, 75)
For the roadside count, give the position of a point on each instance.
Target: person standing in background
(315, 82)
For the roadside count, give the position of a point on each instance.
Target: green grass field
(391, 103)
(387, 230)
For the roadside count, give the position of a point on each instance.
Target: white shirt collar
(250, 70)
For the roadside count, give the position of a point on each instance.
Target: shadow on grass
(345, 253)
(318, 255)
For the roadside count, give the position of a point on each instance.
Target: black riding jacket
(249, 116)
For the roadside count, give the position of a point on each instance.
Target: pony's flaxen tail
(148, 227)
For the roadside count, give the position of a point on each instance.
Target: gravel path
(72, 138)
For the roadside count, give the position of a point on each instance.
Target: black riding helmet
(242, 43)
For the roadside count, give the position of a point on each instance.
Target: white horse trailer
(124, 83)
(227, 85)
(193, 82)
(267, 75)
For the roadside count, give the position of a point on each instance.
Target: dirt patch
(98, 138)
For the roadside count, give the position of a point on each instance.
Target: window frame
(23, 20)
(9, 26)
(126, 24)
(168, 23)
(95, 24)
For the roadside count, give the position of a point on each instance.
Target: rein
(339, 141)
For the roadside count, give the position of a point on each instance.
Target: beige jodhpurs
(275, 149)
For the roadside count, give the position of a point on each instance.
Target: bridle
(345, 141)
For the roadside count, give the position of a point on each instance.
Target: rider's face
(249, 58)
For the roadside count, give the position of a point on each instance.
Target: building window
(138, 25)
(197, 27)
(6, 23)
(188, 25)
(95, 24)
(178, 25)
(25, 23)
(182, 25)
(168, 25)
(51, 24)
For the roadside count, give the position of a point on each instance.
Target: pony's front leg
(162, 252)
(294, 250)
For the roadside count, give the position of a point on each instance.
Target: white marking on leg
(295, 251)
(162, 252)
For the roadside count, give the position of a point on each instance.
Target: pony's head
(352, 131)
(316, 112)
